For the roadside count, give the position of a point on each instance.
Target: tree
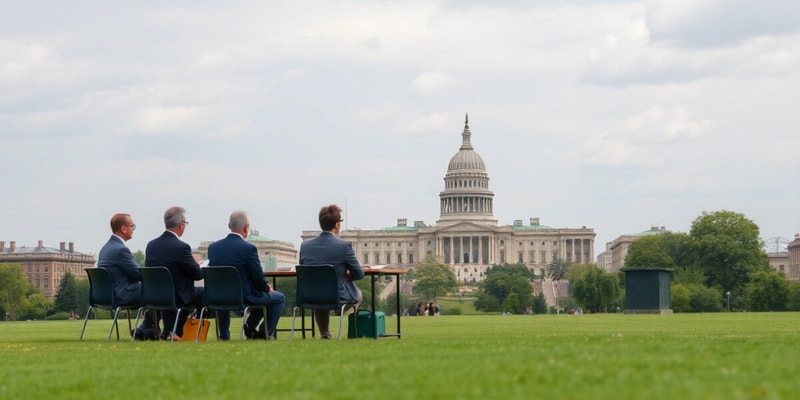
(648, 252)
(67, 295)
(595, 290)
(557, 269)
(434, 278)
(503, 280)
(139, 257)
(767, 291)
(14, 290)
(727, 247)
(704, 299)
(679, 297)
(794, 297)
(539, 304)
(486, 302)
(37, 305)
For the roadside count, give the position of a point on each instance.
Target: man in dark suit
(118, 260)
(235, 251)
(168, 250)
(329, 249)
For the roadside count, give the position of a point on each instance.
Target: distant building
(613, 259)
(45, 267)
(793, 273)
(467, 236)
(780, 262)
(272, 253)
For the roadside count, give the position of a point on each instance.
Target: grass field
(604, 356)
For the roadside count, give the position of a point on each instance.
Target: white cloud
(431, 82)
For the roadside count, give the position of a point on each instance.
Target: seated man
(168, 250)
(235, 251)
(124, 270)
(329, 249)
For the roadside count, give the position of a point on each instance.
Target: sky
(614, 115)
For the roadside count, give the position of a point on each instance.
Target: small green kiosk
(647, 290)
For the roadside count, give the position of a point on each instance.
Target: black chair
(223, 292)
(158, 294)
(318, 289)
(101, 295)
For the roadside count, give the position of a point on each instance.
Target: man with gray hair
(235, 251)
(168, 250)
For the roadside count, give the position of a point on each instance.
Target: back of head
(238, 221)
(329, 216)
(118, 221)
(174, 216)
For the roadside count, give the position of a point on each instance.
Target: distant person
(168, 250)
(235, 251)
(329, 249)
(117, 259)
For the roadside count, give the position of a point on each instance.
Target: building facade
(467, 235)
(793, 266)
(272, 253)
(45, 267)
(613, 259)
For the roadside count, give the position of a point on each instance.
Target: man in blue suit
(235, 251)
(329, 249)
(168, 250)
(118, 260)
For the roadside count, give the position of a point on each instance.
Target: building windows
(399, 258)
(411, 258)
(366, 258)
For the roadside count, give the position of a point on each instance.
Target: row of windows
(467, 184)
(376, 258)
(389, 244)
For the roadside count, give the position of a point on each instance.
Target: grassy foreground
(605, 356)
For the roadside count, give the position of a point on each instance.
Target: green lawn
(605, 356)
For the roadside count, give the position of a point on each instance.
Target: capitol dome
(466, 158)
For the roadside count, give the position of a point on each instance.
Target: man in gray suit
(124, 270)
(329, 249)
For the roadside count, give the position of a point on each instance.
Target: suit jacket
(234, 251)
(169, 251)
(124, 270)
(329, 249)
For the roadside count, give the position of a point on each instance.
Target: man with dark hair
(329, 249)
(168, 250)
(123, 268)
(235, 251)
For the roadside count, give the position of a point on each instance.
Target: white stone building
(467, 235)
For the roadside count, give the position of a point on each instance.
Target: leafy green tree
(14, 290)
(139, 257)
(648, 252)
(794, 297)
(767, 291)
(434, 278)
(678, 246)
(512, 304)
(486, 302)
(704, 299)
(82, 293)
(557, 269)
(679, 297)
(595, 290)
(539, 304)
(504, 280)
(37, 305)
(726, 245)
(689, 276)
(67, 295)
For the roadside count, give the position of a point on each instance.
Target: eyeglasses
(341, 220)
(132, 226)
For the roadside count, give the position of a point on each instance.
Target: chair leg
(175, 325)
(200, 326)
(291, 333)
(85, 320)
(114, 324)
(139, 313)
(355, 321)
(341, 317)
(245, 314)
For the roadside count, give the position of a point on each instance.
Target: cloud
(712, 23)
(646, 139)
(429, 83)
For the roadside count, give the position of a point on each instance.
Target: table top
(367, 271)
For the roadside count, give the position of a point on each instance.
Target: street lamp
(729, 300)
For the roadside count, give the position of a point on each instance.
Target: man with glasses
(116, 257)
(168, 250)
(329, 249)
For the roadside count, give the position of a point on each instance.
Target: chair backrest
(223, 288)
(158, 291)
(317, 287)
(101, 289)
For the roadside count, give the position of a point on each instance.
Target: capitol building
(467, 235)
